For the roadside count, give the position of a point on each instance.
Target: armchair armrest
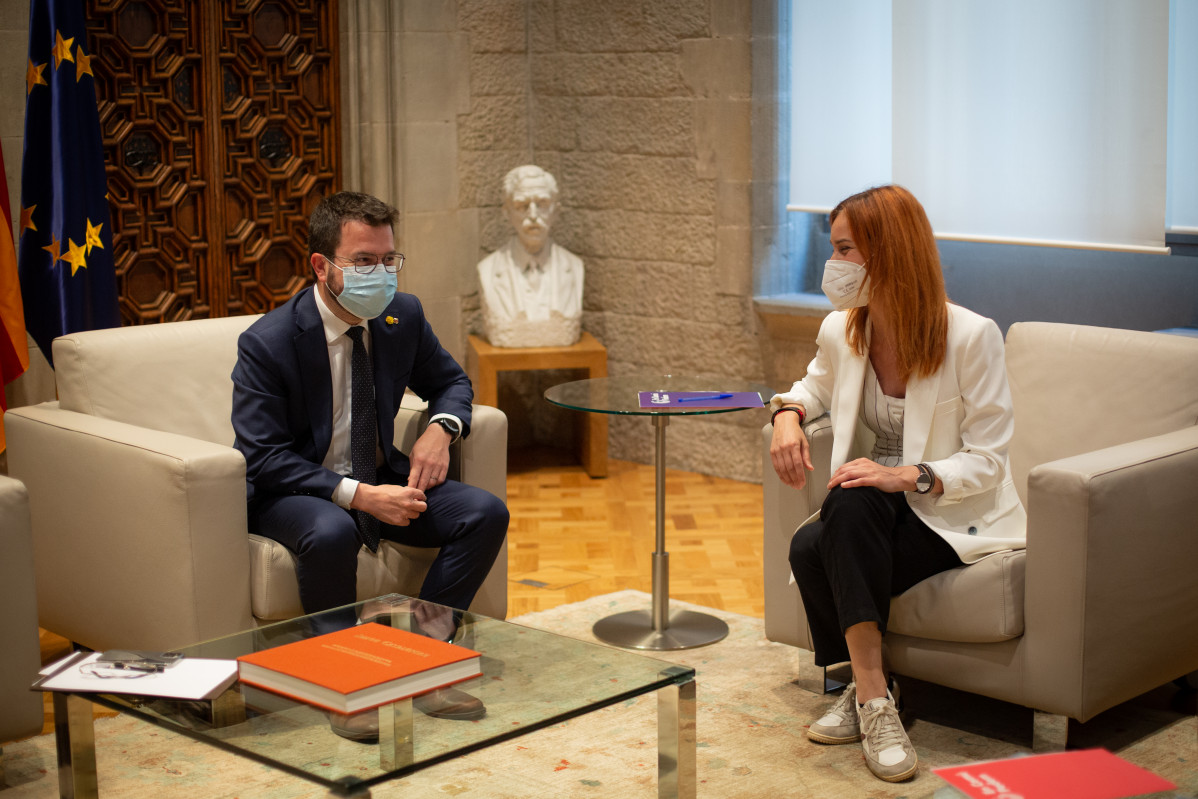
(19, 656)
(785, 509)
(479, 459)
(139, 535)
(1111, 593)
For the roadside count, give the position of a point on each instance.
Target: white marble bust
(531, 287)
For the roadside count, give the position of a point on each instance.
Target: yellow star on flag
(83, 65)
(33, 77)
(62, 49)
(77, 257)
(93, 236)
(54, 248)
(27, 219)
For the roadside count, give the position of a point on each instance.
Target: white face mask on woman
(845, 284)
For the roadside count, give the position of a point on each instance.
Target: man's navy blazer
(283, 393)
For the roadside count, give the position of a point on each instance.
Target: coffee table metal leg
(659, 629)
(396, 743)
(351, 790)
(676, 744)
(228, 709)
(75, 738)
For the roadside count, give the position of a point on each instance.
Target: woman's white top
(883, 415)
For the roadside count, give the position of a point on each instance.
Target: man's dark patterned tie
(362, 433)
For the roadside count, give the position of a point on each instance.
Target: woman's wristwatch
(926, 479)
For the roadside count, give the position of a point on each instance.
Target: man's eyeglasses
(365, 264)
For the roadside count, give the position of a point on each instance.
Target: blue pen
(697, 399)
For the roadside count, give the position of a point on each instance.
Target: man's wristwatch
(449, 426)
(926, 479)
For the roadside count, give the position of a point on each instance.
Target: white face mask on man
(365, 296)
(845, 285)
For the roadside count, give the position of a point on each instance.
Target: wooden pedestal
(588, 354)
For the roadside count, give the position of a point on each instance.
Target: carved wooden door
(221, 132)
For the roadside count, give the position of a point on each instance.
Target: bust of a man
(531, 287)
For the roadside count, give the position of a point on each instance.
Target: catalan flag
(14, 352)
(68, 281)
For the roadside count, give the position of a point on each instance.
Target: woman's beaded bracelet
(799, 411)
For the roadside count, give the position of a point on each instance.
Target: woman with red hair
(916, 389)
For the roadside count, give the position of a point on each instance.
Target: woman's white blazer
(958, 421)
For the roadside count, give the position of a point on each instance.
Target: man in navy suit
(293, 402)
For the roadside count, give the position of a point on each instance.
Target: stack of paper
(190, 678)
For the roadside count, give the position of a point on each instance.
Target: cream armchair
(21, 712)
(138, 497)
(1103, 603)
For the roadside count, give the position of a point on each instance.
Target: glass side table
(655, 629)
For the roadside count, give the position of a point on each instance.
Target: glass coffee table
(655, 629)
(531, 680)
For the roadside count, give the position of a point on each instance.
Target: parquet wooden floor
(573, 537)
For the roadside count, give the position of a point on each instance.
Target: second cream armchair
(138, 497)
(1103, 604)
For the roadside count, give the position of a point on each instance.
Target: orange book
(359, 668)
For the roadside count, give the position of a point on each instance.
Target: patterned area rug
(750, 732)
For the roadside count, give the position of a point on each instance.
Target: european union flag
(68, 281)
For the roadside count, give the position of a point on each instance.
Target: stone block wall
(14, 49)
(641, 109)
(404, 82)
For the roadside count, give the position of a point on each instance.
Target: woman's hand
(864, 472)
(789, 450)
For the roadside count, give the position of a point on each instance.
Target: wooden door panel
(148, 62)
(220, 126)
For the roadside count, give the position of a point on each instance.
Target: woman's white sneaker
(888, 751)
(839, 725)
